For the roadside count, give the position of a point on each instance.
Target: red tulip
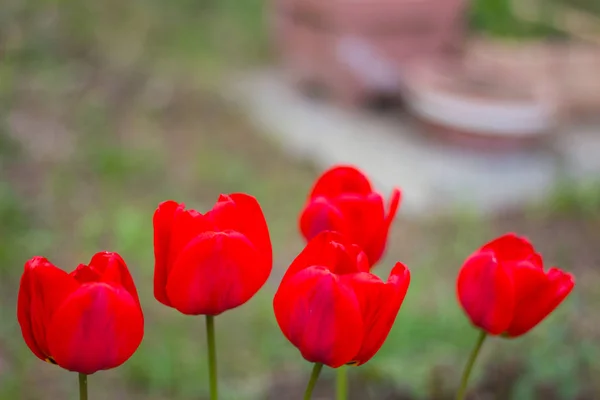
(331, 308)
(504, 289)
(85, 321)
(343, 200)
(210, 263)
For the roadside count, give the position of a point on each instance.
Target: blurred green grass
(121, 109)
(497, 19)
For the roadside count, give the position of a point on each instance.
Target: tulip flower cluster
(329, 304)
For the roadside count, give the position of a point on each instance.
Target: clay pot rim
(493, 117)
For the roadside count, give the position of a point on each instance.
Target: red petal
(510, 247)
(536, 259)
(43, 289)
(362, 261)
(177, 232)
(379, 240)
(321, 215)
(394, 205)
(163, 226)
(330, 250)
(343, 259)
(321, 316)
(253, 224)
(242, 213)
(222, 207)
(187, 225)
(223, 214)
(380, 305)
(115, 271)
(486, 292)
(98, 327)
(215, 273)
(85, 274)
(539, 303)
(365, 219)
(527, 278)
(341, 179)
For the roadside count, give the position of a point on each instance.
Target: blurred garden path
(435, 177)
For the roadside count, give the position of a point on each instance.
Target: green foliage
(9, 148)
(14, 224)
(591, 6)
(575, 199)
(496, 18)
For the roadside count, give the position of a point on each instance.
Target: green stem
(341, 383)
(83, 387)
(313, 380)
(212, 357)
(464, 383)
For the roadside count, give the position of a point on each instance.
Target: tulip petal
(528, 278)
(321, 316)
(378, 242)
(114, 271)
(84, 274)
(216, 272)
(175, 234)
(539, 303)
(242, 213)
(394, 205)
(510, 247)
(486, 292)
(97, 327)
(341, 179)
(43, 289)
(163, 226)
(536, 260)
(364, 217)
(362, 260)
(187, 225)
(380, 305)
(321, 215)
(253, 225)
(329, 249)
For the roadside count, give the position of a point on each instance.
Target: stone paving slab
(435, 178)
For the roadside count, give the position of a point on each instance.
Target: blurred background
(485, 112)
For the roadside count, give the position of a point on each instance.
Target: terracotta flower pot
(483, 107)
(357, 50)
(579, 66)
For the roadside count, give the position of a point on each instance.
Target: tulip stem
(341, 383)
(313, 380)
(83, 387)
(464, 383)
(212, 357)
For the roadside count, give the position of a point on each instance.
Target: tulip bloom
(85, 321)
(332, 308)
(209, 263)
(504, 288)
(344, 201)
